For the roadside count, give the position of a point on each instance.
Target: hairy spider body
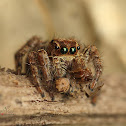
(61, 66)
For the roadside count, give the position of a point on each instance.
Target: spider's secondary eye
(72, 50)
(78, 47)
(64, 50)
(56, 47)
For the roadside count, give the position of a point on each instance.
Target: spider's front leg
(33, 66)
(45, 67)
(91, 53)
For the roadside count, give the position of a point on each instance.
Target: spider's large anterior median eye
(72, 50)
(64, 50)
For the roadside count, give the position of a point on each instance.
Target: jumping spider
(61, 66)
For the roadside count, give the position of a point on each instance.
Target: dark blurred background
(99, 22)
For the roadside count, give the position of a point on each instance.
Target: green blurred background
(99, 22)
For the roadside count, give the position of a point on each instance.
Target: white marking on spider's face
(66, 58)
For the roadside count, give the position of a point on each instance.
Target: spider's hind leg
(24, 50)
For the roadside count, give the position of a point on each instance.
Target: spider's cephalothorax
(61, 66)
(63, 47)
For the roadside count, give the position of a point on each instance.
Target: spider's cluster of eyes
(64, 50)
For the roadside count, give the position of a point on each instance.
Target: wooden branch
(20, 103)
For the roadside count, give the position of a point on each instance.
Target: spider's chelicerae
(60, 66)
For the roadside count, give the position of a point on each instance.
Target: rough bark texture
(20, 103)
